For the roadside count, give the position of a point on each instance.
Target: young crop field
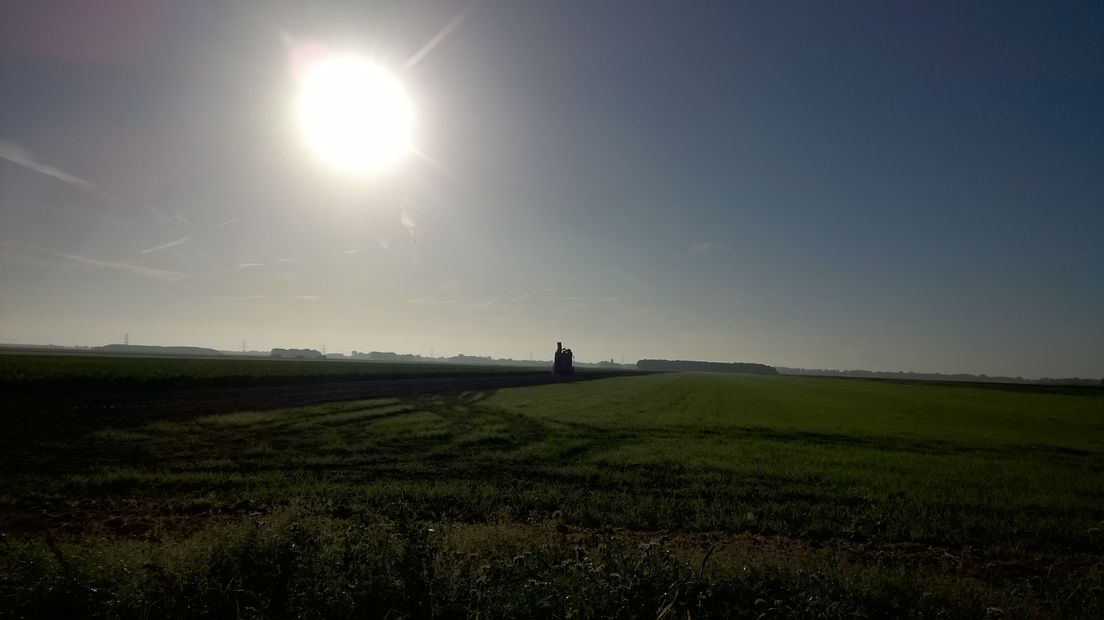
(657, 496)
(29, 370)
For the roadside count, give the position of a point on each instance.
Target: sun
(354, 114)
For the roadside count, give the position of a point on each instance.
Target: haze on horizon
(897, 186)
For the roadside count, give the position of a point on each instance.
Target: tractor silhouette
(561, 364)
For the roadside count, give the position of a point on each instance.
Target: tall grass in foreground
(656, 496)
(297, 565)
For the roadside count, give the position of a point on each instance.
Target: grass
(23, 371)
(651, 496)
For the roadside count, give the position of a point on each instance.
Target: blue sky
(893, 186)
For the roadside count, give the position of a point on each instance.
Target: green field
(668, 496)
(20, 370)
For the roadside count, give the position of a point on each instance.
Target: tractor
(561, 364)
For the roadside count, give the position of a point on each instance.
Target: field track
(55, 410)
(175, 402)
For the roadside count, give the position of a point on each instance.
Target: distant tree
(299, 354)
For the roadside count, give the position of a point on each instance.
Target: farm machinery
(561, 364)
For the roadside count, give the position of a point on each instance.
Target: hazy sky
(892, 186)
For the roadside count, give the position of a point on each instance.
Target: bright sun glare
(354, 114)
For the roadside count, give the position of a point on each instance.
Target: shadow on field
(452, 454)
(57, 431)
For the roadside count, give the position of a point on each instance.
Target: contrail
(165, 246)
(227, 222)
(22, 157)
(440, 36)
(183, 258)
(157, 274)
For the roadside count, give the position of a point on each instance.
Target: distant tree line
(148, 349)
(388, 356)
(690, 366)
(297, 354)
(937, 376)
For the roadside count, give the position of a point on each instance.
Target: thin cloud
(696, 248)
(306, 297)
(349, 252)
(182, 257)
(589, 300)
(22, 157)
(501, 306)
(157, 274)
(430, 301)
(640, 311)
(75, 260)
(165, 246)
(235, 297)
(286, 260)
(406, 221)
(516, 299)
(481, 305)
(228, 222)
(384, 244)
(249, 265)
(158, 215)
(700, 247)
